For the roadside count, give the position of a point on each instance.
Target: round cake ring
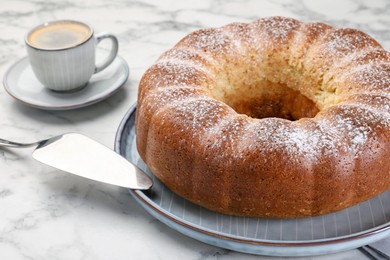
(275, 118)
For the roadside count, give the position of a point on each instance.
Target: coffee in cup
(59, 35)
(62, 54)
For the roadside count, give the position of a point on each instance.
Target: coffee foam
(59, 35)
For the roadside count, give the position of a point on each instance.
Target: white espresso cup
(62, 54)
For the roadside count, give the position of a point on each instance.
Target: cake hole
(267, 99)
(290, 105)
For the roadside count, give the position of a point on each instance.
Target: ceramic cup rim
(91, 32)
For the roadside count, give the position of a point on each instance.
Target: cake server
(82, 156)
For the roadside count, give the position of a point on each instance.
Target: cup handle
(114, 50)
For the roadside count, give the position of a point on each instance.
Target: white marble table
(48, 214)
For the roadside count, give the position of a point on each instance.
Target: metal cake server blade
(82, 156)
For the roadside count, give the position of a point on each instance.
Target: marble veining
(48, 214)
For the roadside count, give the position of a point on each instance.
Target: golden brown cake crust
(274, 118)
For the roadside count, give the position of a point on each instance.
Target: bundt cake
(274, 118)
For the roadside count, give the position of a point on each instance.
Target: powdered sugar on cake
(196, 90)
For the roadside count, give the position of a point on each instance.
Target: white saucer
(21, 83)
